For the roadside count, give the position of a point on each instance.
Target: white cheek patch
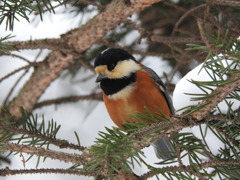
(123, 69)
(122, 94)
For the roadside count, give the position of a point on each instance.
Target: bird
(129, 87)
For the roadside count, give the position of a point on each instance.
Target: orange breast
(146, 94)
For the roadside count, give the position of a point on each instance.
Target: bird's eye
(111, 67)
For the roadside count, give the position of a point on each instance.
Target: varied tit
(128, 87)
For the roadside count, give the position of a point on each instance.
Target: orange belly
(145, 94)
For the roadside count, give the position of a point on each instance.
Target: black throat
(112, 86)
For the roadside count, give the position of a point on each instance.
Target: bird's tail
(164, 149)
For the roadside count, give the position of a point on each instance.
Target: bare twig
(15, 71)
(185, 15)
(43, 75)
(20, 78)
(164, 55)
(17, 56)
(179, 8)
(141, 30)
(94, 96)
(14, 86)
(79, 59)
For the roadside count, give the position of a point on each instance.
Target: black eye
(111, 67)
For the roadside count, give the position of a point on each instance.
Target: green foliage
(218, 67)
(112, 151)
(11, 10)
(32, 132)
(225, 124)
(119, 149)
(5, 47)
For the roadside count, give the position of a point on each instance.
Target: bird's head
(115, 63)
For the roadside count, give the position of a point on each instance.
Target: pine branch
(51, 44)
(206, 41)
(34, 133)
(189, 168)
(219, 94)
(78, 40)
(56, 155)
(224, 2)
(50, 140)
(97, 158)
(107, 20)
(174, 40)
(6, 172)
(224, 118)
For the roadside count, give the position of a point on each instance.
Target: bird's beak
(101, 77)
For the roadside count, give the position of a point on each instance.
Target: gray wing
(162, 87)
(163, 147)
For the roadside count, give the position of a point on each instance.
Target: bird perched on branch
(128, 87)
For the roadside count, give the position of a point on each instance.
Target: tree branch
(6, 172)
(52, 140)
(208, 164)
(52, 44)
(94, 96)
(223, 2)
(218, 94)
(56, 155)
(174, 40)
(15, 71)
(78, 40)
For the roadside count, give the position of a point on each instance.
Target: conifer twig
(174, 40)
(6, 171)
(211, 46)
(51, 43)
(57, 142)
(188, 168)
(219, 94)
(62, 156)
(224, 2)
